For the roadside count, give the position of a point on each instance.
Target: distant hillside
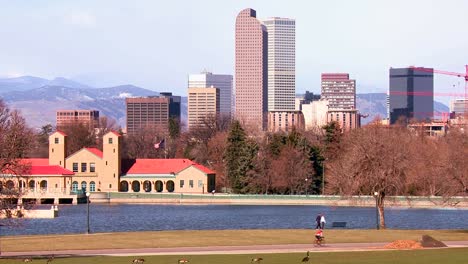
(38, 104)
(25, 83)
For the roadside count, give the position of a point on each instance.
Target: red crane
(462, 75)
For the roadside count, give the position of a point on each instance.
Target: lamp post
(376, 195)
(323, 177)
(307, 187)
(87, 201)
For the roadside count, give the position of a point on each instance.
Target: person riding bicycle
(319, 235)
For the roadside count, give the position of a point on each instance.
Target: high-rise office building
(69, 117)
(251, 102)
(457, 107)
(411, 95)
(202, 103)
(221, 81)
(281, 63)
(339, 90)
(174, 104)
(144, 112)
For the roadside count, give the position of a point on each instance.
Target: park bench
(339, 224)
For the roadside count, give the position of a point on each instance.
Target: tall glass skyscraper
(281, 63)
(411, 95)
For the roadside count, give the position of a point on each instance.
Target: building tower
(72, 117)
(57, 148)
(109, 181)
(221, 81)
(411, 95)
(281, 63)
(202, 103)
(339, 90)
(251, 102)
(147, 112)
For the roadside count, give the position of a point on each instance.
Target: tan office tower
(203, 103)
(339, 90)
(281, 63)
(69, 117)
(221, 81)
(147, 112)
(251, 101)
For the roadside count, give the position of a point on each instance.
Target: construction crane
(462, 75)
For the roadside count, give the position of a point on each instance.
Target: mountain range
(39, 98)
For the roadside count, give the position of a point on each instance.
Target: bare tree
(456, 165)
(373, 159)
(290, 170)
(15, 142)
(216, 149)
(142, 143)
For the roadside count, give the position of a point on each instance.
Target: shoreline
(454, 203)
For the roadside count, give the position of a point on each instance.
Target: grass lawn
(426, 256)
(165, 239)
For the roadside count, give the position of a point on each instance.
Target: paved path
(289, 248)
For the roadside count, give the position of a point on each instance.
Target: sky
(156, 44)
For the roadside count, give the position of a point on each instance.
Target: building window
(181, 183)
(75, 166)
(83, 186)
(92, 186)
(83, 167)
(200, 183)
(92, 167)
(191, 183)
(56, 140)
(75, 185)
(110, 186)
(110, 140)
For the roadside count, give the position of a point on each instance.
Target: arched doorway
(10, 185)
(75, 186)
(43, 185)
(22, 185)
(32, 185)
(147, 186)
(159, 186)
(136, 186)
(124, 186)
(84, 185)
(170, 186)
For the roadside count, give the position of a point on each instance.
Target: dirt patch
(403, 244)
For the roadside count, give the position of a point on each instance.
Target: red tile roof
(203, 168)
(115, 133)
(49, 170)
(61, 132)
(159, 166)
(95, 151)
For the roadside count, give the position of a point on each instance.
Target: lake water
(144, 217)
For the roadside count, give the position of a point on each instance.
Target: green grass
(166, 239)
(445, 256)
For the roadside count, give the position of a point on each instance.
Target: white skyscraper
(281, 63)
(221, 81)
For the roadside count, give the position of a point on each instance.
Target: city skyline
(101, 46)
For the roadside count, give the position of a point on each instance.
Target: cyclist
(319, 236)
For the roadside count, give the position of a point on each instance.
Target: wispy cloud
(81, 19)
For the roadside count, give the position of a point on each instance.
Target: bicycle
(319, 241)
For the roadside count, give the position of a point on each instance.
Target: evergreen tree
(238, 156)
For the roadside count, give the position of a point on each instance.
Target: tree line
(375, 159)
